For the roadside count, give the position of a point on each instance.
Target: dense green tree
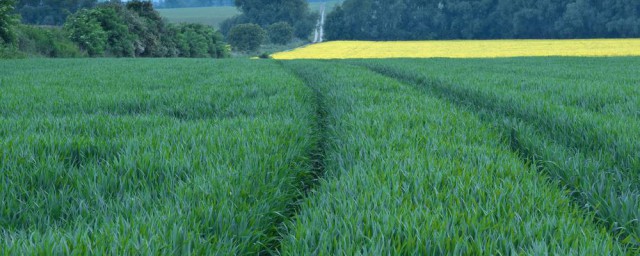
(246, 37)
(197, 40)
(7, 22)
(135, 29)
(46, 42)
(150, 29)
(267, 12)
(114, 21)
(280, 32)
(84, 28)
(50, 12)
(483, 19)
(227, 24)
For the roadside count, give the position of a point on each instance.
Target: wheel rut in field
(530, 150)
(317, 164)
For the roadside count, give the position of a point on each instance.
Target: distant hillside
(204, 3)
(214, 15)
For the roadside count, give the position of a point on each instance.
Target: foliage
(153, 38)
(11, 52)
(197, 40)
(7, 22)
(229, 23)
(85, 29)
(120, 26)
(46, 42)
(217, 15)
(137, 30)
(303, 27)
(483, 19)
(246, 37)
(267, 12)
(50, 12)
(280, 32)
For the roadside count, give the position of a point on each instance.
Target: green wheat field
(533, 156)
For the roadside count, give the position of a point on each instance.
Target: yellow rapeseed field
(464, 49)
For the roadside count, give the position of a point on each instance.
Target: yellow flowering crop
(464, 49)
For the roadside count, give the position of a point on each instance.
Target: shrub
(7, 22)
(266, 12)
(10, 52)
(197, 40)
(229, 23)
(46, 41)
(246, 37)
(136, 29)
(120, 39)
(280, 32)
(304, 27)
(85, 30)
(51, 12)
(265, 55)
(146, 23)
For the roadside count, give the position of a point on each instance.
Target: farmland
(150, 157)
(534, 155)
(464, 49)
(211, 16)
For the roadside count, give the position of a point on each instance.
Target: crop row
(216, 157)
(150, 157)
(407, 173)
(576, 118)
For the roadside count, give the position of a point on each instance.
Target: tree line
(266, 12)
(7, 21)
(483, 19)
(277, 21)
(50, 12)
(55, 12)
(135, 29)
(115, 29)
